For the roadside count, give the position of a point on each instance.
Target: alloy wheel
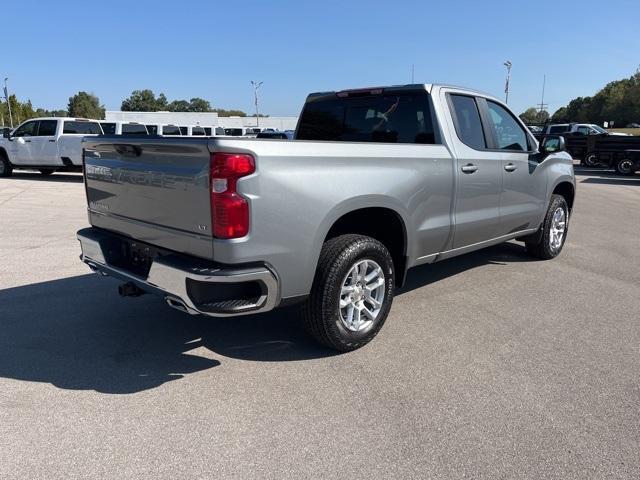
(362, 295)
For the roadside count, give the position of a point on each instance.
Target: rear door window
(468, 123)
(559, 129)
(81, 128)
(47, 128)
(509, 134)
(403, 117)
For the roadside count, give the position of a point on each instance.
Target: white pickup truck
(46, 144)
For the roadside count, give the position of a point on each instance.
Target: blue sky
(212, 49)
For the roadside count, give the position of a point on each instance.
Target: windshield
(599, 129)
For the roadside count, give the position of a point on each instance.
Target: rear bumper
(187, 283)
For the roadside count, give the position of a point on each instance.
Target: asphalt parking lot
(491, 365)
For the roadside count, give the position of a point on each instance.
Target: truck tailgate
(152, 189)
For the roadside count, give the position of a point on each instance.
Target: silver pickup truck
(376, 181)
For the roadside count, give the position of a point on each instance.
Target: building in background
(204, 119)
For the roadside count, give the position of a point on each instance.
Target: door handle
(469, 168)
(27, 141)
(52, 140)
(510, 167)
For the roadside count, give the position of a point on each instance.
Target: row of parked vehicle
(596, 147)
(55, 144)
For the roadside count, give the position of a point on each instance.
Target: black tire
(6, 169)
(46, 171)
(591, 160)
(624, 167)
(544, 248)
(322, 314)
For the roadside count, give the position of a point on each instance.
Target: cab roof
(394, 88)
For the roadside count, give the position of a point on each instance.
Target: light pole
(6, 96)
(506, 85)
(256, 86)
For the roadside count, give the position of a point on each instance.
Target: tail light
(229, 209)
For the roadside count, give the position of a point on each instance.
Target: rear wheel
(352, 292)
(624, 166)
(6, 169)
(554, 230)
(46, 171)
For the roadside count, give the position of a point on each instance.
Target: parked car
(633, 125)
(578, 129)
(46, 144)
(381, 180)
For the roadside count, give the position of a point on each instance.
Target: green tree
(144, 101)
(41, 112)
(86, 105)
(194, 105)
(20, 111)
(618, 101)
(560, 116)
(529, 115)
(229, 113)
(178, 106)
(532, 116)
(199, 105)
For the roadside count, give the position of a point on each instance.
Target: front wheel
(6, 169)
(591, 160)
(352, 292)
(554, 230)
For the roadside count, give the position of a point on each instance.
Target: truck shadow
(36, 176)
(613, 180)
(502, 254)
(76, 333)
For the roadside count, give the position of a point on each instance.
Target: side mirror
(551, 145)
(6, 132)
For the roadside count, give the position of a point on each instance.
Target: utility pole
(6, 96)
(543, 106)
(256, 86)
(506, 84)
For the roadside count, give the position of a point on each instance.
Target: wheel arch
(567, 190)
(381, 221)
